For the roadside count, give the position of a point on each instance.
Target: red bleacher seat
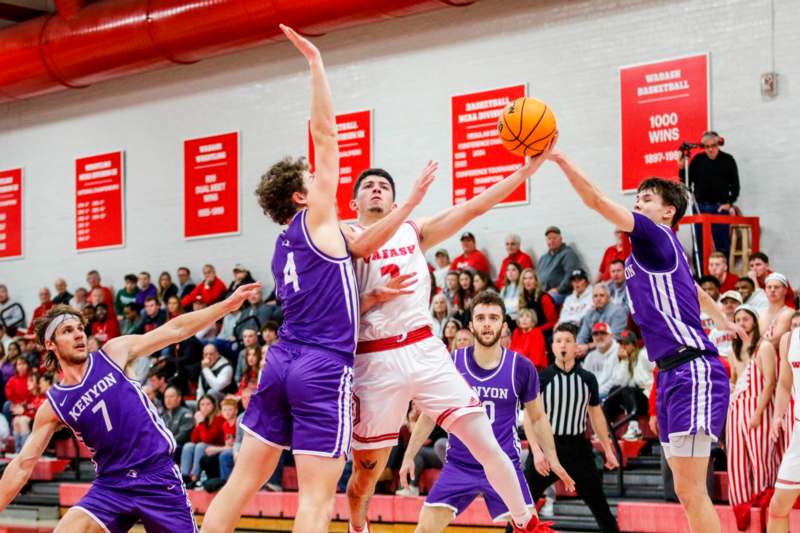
(427, 479)
(45, 469)
(65, 448)
(658, 517)
(289, 479)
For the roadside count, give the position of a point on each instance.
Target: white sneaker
(408, 492)
(364, 529)
(633, 432)
(547, 509)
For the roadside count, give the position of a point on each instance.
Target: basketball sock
(475, 431)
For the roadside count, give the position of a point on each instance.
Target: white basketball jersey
(400, 255)
(794, 362)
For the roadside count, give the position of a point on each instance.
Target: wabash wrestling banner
(11, 213)
(663, 104)
(99, 201)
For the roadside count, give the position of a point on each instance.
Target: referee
(569, 393)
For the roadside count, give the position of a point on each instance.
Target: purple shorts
(693, 397)
(157, 498)
(303, 402)
(457, 486)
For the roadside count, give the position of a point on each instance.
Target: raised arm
(123, 350)
(322, 196)
(362, 244)
(592, 197)
(543, 437)
(19, 470)
(438, 228)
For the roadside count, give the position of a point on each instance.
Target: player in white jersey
(398, 359)
(787, 488)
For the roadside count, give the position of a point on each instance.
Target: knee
(779, 507)
(691, 494)
(318, 506)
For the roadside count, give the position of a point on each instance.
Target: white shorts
(385, 382)
(789, 472)
(698, 445)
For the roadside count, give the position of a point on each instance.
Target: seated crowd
(201, 386)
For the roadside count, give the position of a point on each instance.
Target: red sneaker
(535, 526)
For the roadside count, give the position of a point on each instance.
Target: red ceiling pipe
(115, 38)
(68, 8)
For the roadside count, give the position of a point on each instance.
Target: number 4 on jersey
(290, 273)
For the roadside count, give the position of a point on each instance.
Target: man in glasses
(714, 180)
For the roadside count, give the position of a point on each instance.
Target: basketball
(526, 126)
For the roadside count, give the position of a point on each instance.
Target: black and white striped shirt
(567, 396)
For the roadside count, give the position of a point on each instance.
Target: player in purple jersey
(505, 382)
(137, 478)
(303, 401)
(664, 300)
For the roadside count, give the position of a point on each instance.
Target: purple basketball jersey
(114, 419)
(318, 293)
(662, 294)
(501, 390)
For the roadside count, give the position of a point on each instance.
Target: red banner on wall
(663, 104)
(10, 213)
(355, 155)
(479, 159)
(99, 204)
(211, 186)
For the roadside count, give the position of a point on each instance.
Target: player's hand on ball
(407, 473)
(305, 47)
(424, 181)
(569, 483)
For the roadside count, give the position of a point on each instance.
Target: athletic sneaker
(408, 492)
(633, 432)
(547, 508)
(534, 526)
(352, 529)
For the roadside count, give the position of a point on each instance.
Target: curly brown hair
(40, 327)
(275, 190)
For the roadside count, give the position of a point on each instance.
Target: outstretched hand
(536, 161)
(397, 286)
(305, 46)
(244, 292)
(424, 181)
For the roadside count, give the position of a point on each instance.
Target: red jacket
(613, 253)
(106, 330)
(38, 313)
(475, 260)
(228, 432)
(209, 295)
(17, 390)
(210, 434)
(531, 345)
(520, 257)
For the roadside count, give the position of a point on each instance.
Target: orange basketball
(526, 126)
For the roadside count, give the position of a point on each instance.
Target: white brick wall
(406, 71)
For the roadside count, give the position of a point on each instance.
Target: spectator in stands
(512, 288)
(535, 298)
(178, 418)
(505, 336)
(555, 267)
(425, 458)
(253, 359)
(603, 360)
(463, 339)
(760, 269)
(63, 296)
(514, 255)
(93, 280)
(718, 267)
(98, 296)
(166, 288)
(439, 314)
(80, 299)
(154, 316)
(249, 340)
(579, 302)
(88, 315)
(206, 432)
(46, 303)
(714, 181)
(269, 334)
(634, 374)
(241, 276)
(158, 379)
(185, 284)
(174, 307)
(5, 340)
(146, 289)
(12, 313)
(17, 393)
(8, 362)
(24, 414)
(472, 258)
(464, 295)
(449, 333)
(616, 283)
(528, 340)
(450, 289)
(132, 323)
(751, 295)
(442, 259)
(104, 327)
(209, 463)
(710, 286)
(127, 294)
(226, 338)
(210, 291)
(619, 251)
(723, 340)
(603, 310)
(216, 376)
(482, 282)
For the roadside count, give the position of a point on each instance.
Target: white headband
(57, 321)
(780, 278)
